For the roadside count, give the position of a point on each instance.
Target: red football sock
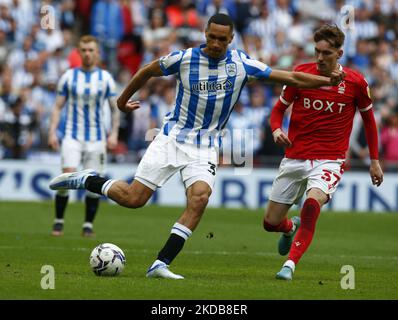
(285, 226)
(303, 238)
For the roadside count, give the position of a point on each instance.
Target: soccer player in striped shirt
(316, 145)
(83, 91)
(209, 81)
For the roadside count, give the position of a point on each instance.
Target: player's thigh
(290, 184)
(325, 177)
(71, 154)
(158, 163)
(94, 156)
(202, 166)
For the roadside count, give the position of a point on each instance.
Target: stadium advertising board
(21, 180)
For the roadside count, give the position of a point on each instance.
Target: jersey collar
(202, 46)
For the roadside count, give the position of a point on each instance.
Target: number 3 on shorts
(212, 168)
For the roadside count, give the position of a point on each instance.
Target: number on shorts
(327, 176)
(212, 169)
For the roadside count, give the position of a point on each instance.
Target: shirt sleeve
(62, 86)
(255, 69)
(110, 87)
(362, 96)
(170, 64)
(288, 95)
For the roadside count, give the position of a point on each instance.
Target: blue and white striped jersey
(207, 90)
(85, 92)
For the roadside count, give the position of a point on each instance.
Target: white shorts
(89, 154)
(298, 176)
(165, 156)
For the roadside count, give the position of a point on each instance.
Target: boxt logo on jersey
(326, 105)
(211, 87)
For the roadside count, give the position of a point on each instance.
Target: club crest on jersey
(341, 87)
(230, 68)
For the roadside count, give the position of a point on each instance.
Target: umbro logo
(297, 243)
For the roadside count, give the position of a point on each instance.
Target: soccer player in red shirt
(318, 138)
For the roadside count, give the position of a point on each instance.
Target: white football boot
(161, 270)
(71, 180)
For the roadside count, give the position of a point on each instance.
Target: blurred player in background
(209, 81)
(316, 145)
(84, 91)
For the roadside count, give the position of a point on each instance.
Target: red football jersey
(321, 119)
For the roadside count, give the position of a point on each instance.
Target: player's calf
(284, 226)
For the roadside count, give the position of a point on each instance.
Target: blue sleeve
(110, 88)
(170, 64)
(62, 86)
(254, 68)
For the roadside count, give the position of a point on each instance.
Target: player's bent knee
(199, 201)
(133, 200)
(134, 203)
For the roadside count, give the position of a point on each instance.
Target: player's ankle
(290, 264)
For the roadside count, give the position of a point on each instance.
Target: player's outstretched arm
(305, 80)
(55, 115)
(139, 79)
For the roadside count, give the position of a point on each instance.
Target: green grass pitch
(238, 262)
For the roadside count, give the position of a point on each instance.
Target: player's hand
(376, 173)
(112, 141)
(53, 141)
(281, 138)
(130, 106)
(336, 77)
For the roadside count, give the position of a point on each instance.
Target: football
(107, 259)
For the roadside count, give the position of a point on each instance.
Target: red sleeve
(277, 113)
(364, 105)
(362, 95)
(371, 133)
(287, 95)
(286, 98)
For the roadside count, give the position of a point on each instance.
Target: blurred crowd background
(134, 32)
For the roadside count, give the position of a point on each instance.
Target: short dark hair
(331, 34)
(221, 18)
